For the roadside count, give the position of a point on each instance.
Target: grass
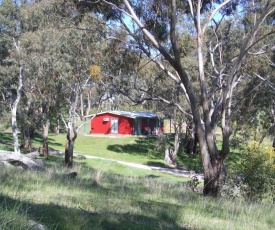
(125, 148)
(105, 197)
(108, 195)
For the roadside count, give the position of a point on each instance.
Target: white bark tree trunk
(46, 127)
(16, 99)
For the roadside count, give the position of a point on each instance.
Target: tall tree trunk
(25, 135)
(176, 145)
(15, 130)
(88, 102)
(81, 105)
(69, 149)
(71, 128)
(172, 152)
(191, 139)
(46, 127)
(14, 105)
(57, 127)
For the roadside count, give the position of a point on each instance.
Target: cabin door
(114, 125)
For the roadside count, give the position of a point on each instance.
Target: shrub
(258, 172)
(193, 184)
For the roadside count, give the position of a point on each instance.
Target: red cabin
(127, 123)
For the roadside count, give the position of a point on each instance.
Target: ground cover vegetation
(106, 195)
(207, 66)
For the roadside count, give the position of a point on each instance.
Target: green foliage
(258, 171)
(263, 121)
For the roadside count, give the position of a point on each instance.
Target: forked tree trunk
(214, 179)
(71, 128)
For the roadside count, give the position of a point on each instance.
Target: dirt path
(178, 172)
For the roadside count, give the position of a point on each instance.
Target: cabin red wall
(98, 126)
(125, 124)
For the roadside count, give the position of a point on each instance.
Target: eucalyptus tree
(11, 82)
(138, 79)
(38, 41)
(153, 27)
(60, 46)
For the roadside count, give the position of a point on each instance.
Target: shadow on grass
(6, 138)
(39, 139)
(161, 208)
(56, 216)
(157, 164)
(190, 162)
(140, 147)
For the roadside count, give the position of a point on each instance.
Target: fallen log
(19, 160)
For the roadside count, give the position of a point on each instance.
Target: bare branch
(64, 122)
(266, 82)
(213, 15)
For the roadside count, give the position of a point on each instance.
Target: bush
(258, 172)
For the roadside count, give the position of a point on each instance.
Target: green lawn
(125, 148)
(132, 149)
